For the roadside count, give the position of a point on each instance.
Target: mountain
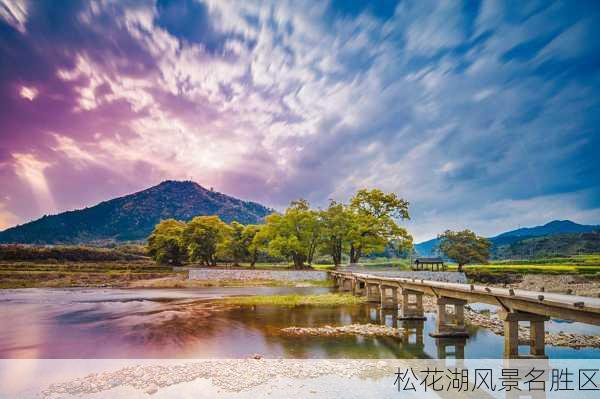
(551, 228)
(132, 217)
(550, 245)
(427, 248)
(508, 238)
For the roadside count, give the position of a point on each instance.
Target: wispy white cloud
(460, 109)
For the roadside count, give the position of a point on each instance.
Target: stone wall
(234, 274)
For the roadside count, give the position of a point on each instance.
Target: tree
(203, 235)
(239, 243)
(249, 235)
(464, 247)
(336, 225)
(295, 234)
(233, 245)
(166, 244)
(372, 224)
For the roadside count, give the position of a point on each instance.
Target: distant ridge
(555, 227)
(132, 217)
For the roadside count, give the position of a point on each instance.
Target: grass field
(296, 300)
(579, 264)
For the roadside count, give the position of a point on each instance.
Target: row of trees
(366, 225)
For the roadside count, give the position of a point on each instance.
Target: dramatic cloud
(483, 114)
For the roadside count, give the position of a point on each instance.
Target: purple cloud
(485, 112)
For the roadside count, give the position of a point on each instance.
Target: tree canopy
(294, 234)
(365, 226)
(464, 247)
(166, 245)
(203, 235)
(373, 225)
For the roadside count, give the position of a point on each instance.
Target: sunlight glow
(31, 170)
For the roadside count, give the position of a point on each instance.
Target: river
(186, 323)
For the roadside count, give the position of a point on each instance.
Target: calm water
(115, 323)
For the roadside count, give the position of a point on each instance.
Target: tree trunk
(460, 267)
(299, 262)
(336, 252)
(253, 260)
(355, 254)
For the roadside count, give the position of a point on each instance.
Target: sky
(483, 114)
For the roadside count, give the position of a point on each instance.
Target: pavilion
(433, 264)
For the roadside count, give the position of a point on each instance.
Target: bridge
(406, 295)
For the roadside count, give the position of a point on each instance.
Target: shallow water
(183, 323)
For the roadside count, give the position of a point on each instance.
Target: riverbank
(139, 273)
(67, 274)
(576, 284)
(180, 280)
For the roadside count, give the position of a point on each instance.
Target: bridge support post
(347, 284)
(412, 310)
(450, 325)
(388, 301)
(359, 287)
(373, 292)
(537, 334)
(352, 284)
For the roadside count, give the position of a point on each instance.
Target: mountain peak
(565, 222)
(132, 217)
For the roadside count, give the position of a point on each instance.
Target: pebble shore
(494, 324)
(367, 330)
(233, 375)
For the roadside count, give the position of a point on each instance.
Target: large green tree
(166, 244)
(249, 237)
(239, 244)
(294, 234)
(232, 245)
(464, 247)
(373, 223)
(203, 235)
(335, 231)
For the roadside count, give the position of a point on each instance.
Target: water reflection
(175, 324)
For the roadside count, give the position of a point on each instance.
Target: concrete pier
(389, 296)
(373, 294)
(359, 288)
(412, 310)
(511, 334)
(449, 325)
(346, 284)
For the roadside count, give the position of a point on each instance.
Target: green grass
(295, 300)
(580, 264)
(531, 269)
